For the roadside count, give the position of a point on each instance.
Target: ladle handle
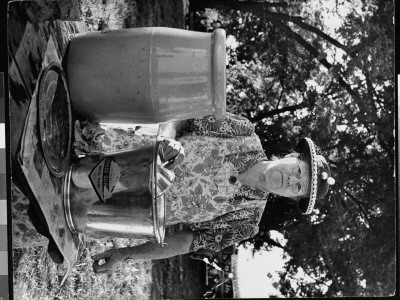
(161, 154)
(168, 162)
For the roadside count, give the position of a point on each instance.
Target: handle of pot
(167, 163)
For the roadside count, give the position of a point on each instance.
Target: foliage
(110, 14)
(292, 80)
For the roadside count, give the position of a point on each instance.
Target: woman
(221, 186)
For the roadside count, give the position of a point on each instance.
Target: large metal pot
(116, 194)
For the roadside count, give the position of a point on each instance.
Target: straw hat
(320, 175)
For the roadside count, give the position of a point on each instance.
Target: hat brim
(307, 147)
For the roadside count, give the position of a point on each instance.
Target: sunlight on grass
(37, 277)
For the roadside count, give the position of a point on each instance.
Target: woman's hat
(320, 175)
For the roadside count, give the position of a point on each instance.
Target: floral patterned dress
(205, 195)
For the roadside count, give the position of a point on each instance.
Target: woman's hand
(171, 149)
(112, 257)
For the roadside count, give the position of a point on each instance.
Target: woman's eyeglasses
(296, 172)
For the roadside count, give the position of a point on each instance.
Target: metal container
(117, 195)
(147, 75)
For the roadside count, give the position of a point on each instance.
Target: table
(38, 34)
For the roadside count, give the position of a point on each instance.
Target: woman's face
(288, 177)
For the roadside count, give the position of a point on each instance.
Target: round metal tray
(55, 119)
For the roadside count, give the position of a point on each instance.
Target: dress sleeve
(226, 230)
(228, 127)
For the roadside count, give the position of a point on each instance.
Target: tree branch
(333, 162)
(314, 52)
(281, 95)
(259, 9)
(270, 113)
(273, 4)
(317, 280)
(361, 205)
(371, 91)
(273, 16)
(353, 50)
(298, 38)
(253, 7)
(272, 242)
(327, 90)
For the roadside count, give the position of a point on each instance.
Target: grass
(37, 277)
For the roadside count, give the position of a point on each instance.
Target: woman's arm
(167, 133)
(169, 130)
(176, 244)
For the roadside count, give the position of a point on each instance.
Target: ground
(178, 278)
